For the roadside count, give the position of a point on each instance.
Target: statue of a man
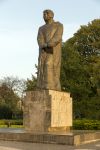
(49, 62)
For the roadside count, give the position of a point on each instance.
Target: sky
(19, 23)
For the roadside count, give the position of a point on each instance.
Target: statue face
(47, 16)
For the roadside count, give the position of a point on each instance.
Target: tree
(31, 83)
(5, 112)
(8, 102)
(80, 72)
(15, 84)
(73, 73)
(88, 39)
(10, 96)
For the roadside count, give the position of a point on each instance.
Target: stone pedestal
(47, 110)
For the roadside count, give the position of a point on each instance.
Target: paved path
(12, 145)
(9, 145)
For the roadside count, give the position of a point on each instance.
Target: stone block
(47, 110)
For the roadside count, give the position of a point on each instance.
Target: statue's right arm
(40, 39)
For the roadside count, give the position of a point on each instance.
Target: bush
(17, 115)
(88, 109)
(9, 123)
(86, 124)
(5, 112)
(16, 122)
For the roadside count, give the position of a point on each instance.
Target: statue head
(48, 15)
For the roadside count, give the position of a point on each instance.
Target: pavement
(12, 145)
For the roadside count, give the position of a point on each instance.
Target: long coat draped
(49, 62)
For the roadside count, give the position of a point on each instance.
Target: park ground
(9, 145)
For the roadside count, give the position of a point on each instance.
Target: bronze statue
(49, 61)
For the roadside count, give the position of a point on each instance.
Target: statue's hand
(50, 44)
(44, 46)
(49, 50)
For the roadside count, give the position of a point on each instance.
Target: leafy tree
(31, 83)
(5, 112)
(15, 84)
(73, 73)
(88, 39)
(80, 72)
(10, 96)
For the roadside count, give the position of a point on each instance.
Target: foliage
(74, 77)
(31, 83)
(5, 112)
(9, 97)
(11, 123)
(15, 84)
(88, 39)
(80, 70)
(87, 108)
(86, 124)
(87, 44)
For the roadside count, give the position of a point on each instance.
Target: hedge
(86, 124)
(11, 122)
(82, 124)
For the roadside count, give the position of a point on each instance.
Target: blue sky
(19, 23)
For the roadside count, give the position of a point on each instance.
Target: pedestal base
(72, 138)
(59, 129)
(47, 110)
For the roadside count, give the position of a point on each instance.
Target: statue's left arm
(57, 38)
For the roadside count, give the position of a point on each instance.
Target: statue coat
(49, 61)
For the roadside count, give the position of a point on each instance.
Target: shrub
(86, 124)
(5, 112)
(9, 123)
